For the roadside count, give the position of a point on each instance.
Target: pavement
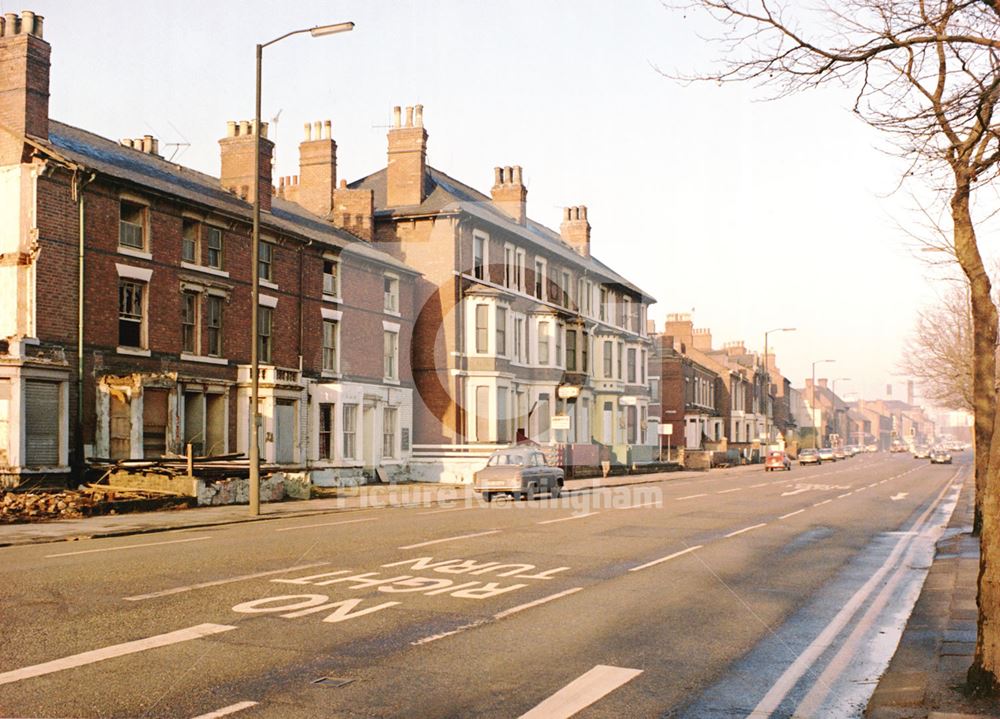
(386, 496)
(924, 680)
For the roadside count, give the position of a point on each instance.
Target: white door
(608, 435)
(284, 431)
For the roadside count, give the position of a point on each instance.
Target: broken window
(131, 313)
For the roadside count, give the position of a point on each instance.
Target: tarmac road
(750, 594)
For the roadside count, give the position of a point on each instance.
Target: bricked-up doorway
(154, 422)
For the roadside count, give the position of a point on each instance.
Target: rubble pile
(30, 506)
(84, 502)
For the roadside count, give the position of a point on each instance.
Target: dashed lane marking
(692, 496)
(791, 514)
(217, 582)
(727, 491)
(226, 711)
(746, 529)
(820, 504)
(326, 524)
(450, 539)
(127, 546)
(665, 559)
(566, 519)
(582, 692)
(116, 650)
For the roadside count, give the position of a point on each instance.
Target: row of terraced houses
(408, 323)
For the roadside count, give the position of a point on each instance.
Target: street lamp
(767, 389)
(254, 481)
(812, 398)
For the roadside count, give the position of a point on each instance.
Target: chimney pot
(395, 116)
(317, 130)
(39, 20)
(11, 26)
(409, 116)
(263, 130)
(244, 128)
(517, 174)
(309, 132)
(497, 176)
(28, 22)
(343, 184)
(231, 128)
(419, 115)
(147, 143)
(327, 129)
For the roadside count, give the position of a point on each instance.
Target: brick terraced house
(125, 300)
(521, 331)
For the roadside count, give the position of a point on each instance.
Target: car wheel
(556, 491)
(487, 497)
(529, 495)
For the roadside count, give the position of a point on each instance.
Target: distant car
(940, 456)
(808, 456)
(839, 453)
(921, 451)
(777, 460)
(826, 455)
(871, 448)
(520, 472)
(852, 450)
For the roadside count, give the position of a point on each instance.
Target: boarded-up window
(483, 414)
(4, 422)
(154, 423)
(41, 423)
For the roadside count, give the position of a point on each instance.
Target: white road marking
(451, 509)
(822, 642)
(496, 617)
(566, 519)
(116, 650)
(537, 602)
(450, 539)
(791, 514)
(845, 494)
(861, 489)
(226, 711)
(746, 529)
(692, 496)
(759, 484)
(582, 692)
(727, 491)
(217, 582)
(796, 491)
(875, 484)
(667, 558)
(820, 504)
(654, 503)
(899, 496)
(326, 524)
(128, 546)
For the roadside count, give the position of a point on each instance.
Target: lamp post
(812, 397)
(254, 447)
(767, 389)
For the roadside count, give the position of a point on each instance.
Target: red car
(777, 460)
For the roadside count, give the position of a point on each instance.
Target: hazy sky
(756, 214)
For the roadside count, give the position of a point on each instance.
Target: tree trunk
(984, 674)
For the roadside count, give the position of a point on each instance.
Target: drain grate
(332, 681)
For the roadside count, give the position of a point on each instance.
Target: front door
(609, 438)
(368, 435)
(154, 423)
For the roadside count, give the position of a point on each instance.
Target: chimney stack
(354, 211)
(147, 143)
(575, 229)
(702, 337)
(509, 193)
(317, 169)
(822, 382)
(680, 327)
(24, 83)
(406, 180)
(238, 162)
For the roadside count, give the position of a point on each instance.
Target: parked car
(826, 455)
(520, 472)
(808, 456)
(940, 456)
(839, 453)
(921, 451)
(777, 460)
(871, 448)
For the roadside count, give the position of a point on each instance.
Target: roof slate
(113, 159)
(446, 194)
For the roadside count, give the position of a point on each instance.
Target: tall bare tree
(938, 352)
(927, 73)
